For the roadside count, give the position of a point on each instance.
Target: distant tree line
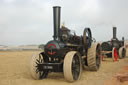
(41, 46)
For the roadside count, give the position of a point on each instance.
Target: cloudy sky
(31, 21)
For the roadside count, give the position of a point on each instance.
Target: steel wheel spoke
(41, 60)
(75, 67)
(37, 70)
(38, 61)
(40, 57)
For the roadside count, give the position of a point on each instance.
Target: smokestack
(114, 32)
(56, 22)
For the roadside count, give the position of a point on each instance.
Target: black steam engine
(66, 53)
(114, 47)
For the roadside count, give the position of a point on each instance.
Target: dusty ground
(120, 78)
(14, 70)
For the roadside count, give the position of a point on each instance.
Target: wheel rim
(115, 54)
(75, 67)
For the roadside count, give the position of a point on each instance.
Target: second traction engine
(114, 48)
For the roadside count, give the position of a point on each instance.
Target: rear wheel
(37, 59)
(72, 66)
(122, 52)
(94, 57)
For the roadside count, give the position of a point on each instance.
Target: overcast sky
(31, 21)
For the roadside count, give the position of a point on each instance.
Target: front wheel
(36, 73)
(114, 54)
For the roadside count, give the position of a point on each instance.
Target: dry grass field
(14, 70)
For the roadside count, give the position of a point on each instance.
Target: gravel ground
(14, 70)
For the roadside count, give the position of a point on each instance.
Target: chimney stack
(56, 22)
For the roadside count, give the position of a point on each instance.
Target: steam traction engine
(114, 48)
(66, 53)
